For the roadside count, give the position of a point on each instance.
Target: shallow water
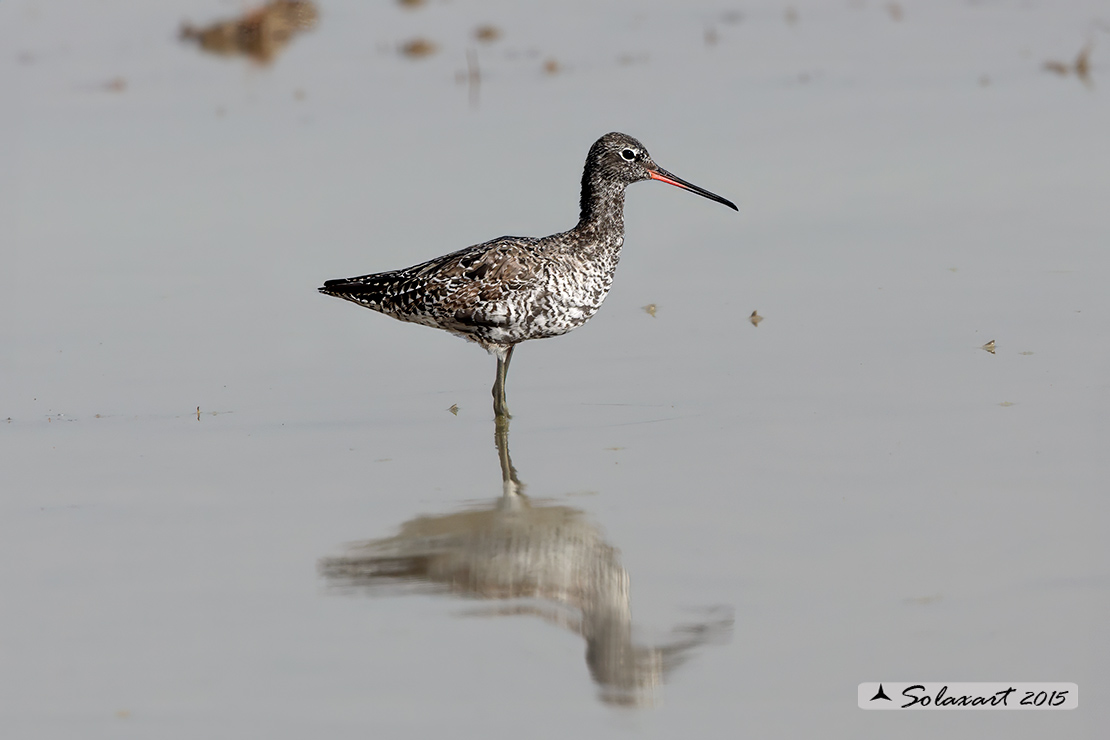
(851, 491)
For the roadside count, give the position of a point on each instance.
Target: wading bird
(515, 288)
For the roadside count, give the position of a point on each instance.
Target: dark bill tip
(662, 175)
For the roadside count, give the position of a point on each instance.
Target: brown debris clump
(1081, 66)
(259, 34)
(418, 48)
(487, 33)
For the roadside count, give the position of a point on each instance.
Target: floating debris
(487, 34)
(410, 4)
(1007, 404)
(650, 310)
(259, 34)
(895, 10)
(989, 346)
(114, 85)
(1083, 63)
(984, 81)
(211, 413)
(755, 318)
(1081, 66)
(791, 15)
(551, 67)
(711, 37)
(418, 48)
(454, 409)
(1026, 353)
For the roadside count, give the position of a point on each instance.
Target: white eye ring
(628, 155)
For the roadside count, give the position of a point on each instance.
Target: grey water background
(854, 486)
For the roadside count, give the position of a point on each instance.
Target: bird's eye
(628, 155)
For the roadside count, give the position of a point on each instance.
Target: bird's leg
(500, 408)
(511, 486)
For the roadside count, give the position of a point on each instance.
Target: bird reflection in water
(541, 559)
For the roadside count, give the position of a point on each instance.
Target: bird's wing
(471, 286)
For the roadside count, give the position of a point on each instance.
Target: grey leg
(510, 483)
(500, 408)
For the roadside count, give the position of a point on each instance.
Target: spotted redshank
(516, 288)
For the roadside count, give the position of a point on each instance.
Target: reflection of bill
(549, 560)
(982, 695)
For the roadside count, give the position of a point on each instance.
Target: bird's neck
(602, 214)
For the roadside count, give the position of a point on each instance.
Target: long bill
(662, 175)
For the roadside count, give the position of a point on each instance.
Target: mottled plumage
(514, 288)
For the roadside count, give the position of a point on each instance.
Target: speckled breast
(571, 291)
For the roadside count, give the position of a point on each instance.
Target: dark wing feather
(461, 291)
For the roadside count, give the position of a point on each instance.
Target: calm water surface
(705, 526)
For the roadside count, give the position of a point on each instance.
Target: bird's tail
(373, 291)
